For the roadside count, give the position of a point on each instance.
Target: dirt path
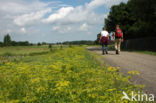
(128, 61)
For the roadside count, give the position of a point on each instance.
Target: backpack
(118, 33)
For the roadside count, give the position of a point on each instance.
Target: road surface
(128, 61)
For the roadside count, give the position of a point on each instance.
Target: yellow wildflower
(134, 72)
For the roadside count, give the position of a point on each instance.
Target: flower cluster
(70, 75)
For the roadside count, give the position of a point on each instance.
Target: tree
(44, 43)
(84, 42)
(136, 18)
(119, 14)
(39, 44)
(98, 38)
(50, 46)
(7, 40)
(1, 44)
(20, 43)
(14, 43)
(144, 12)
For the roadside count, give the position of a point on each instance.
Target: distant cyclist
(118, 34)
(104, 40)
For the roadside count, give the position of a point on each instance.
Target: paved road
(128, 61)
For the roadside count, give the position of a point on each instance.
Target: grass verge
(70, 75)
(145, 52)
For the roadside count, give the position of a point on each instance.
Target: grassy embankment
(69, 75)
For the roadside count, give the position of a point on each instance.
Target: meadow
(22, 50)
(62, 75)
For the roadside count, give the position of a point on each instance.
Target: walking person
(104, 40)
(118, 34)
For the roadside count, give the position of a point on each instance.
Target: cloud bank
(52, 18)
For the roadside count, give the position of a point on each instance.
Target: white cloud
(82, 13)
(55, 28)
(62, 29)
(8, 30)
(31, 17)
(23, 30)
(79, 14)
(84, 27)
(95, 3)
(108, 3)
(21, 6)
(61, 13)
(69, 28)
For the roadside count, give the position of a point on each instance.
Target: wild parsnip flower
(112, 69)
(68, 75)
(133, 72)
(62, 84)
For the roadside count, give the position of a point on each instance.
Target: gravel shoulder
(128, 61)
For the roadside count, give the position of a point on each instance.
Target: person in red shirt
(118, 37)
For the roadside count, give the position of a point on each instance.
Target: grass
(145, 52)
(69, 75)
(22, 50)
(14, 53)
(141, 52)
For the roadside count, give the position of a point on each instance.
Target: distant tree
(98, 38)
(20, 43)
(23, 43)
(81, 42)
(44, 43)
(7, 40)
(39, 44)
(14, 43)
(50, 47)
(31, 44)
(1, 44)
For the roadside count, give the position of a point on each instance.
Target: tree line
(136, 18)
(8, 42)
(81, 42)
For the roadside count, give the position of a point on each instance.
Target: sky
(53, 20)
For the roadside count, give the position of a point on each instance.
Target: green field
(145, 52)
(22, 50)
(64, 75)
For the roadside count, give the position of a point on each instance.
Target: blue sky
(53, 20)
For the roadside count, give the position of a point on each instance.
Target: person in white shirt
(104, 40)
